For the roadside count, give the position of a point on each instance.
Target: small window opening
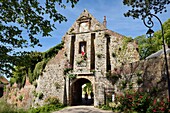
(82, 48)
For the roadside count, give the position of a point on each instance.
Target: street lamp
(149, 33)
(150, 24)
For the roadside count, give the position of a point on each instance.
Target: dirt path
(82, 109)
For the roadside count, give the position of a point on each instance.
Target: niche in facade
(84, 27)
(82, 48)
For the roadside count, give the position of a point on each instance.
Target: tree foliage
(33, 66)
(88, 88)
(140, 8)
(166, 27)
(147, 46)
(35, 17)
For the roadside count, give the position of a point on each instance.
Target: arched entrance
(78, 89)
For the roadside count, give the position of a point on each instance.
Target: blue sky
(112, 9)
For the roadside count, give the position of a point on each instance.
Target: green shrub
(99, 55)
(130, 85)
(46, 109)
(139, 81)
(66, 70)
(105, 107)
(93, 71)
(113, 76)
(123, 84)
(80, 61)
(35, 93)
(57, 85)
(35, 84)
(39, 69)
(52, 100)
(36, 62)
(5, 108)
(139, 73)
(127, 39)
(159, 106)
(21, 97)
(52, 104)
(72, 76)
(134, 101)
(108, 74)
(8, 108)
(12, 81)
(140, 102)
(113, 55)
(40, 95)
(53, 51)
(30, 75)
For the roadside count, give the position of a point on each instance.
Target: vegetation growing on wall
(36, 62)
(119, 53)
(128, 83)
(40, 95)
(18, 76)
(39, 68)
(72, 76)
(57, 85)
(67, 73)
(124, 78)
(21, 97)
(113, 76)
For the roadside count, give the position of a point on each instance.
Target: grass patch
(8, 108)
(48, 108)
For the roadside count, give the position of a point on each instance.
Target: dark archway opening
(82, 92)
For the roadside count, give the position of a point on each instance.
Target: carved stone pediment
(84, 19)
(84, 23)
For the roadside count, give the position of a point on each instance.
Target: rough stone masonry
(90, 51)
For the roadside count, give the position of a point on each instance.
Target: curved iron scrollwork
(148, 23)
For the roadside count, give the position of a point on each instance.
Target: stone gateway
(90, 51)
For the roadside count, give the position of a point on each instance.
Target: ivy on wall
(35, 66)
(119, 54)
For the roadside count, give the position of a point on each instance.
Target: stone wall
(52, 82)
(122, 52)
(22, 98)
(150, 73)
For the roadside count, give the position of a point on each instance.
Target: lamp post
(150, 24)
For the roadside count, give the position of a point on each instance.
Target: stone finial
(104, 21)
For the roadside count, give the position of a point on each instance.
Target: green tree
(32, 65)
(147, 46)
(36, 17)
(140, 8)
(27, 65)
(166, 27)
(88, 88)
